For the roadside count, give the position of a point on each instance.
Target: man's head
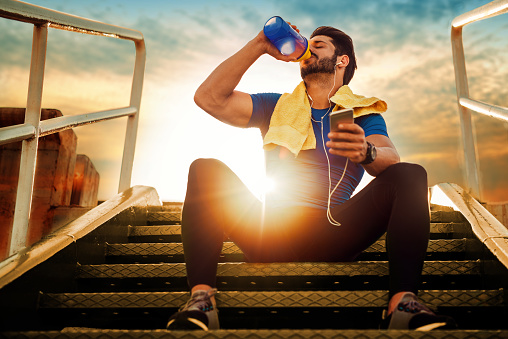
(343, 46)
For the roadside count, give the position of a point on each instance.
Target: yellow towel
(291, 126)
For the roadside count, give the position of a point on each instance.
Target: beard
(321, 66)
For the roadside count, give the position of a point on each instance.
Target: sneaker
(412, 315)
(197, 314)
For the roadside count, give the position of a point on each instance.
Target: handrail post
(461, 82)
(29, 147)
(132, 122)
(30, 132)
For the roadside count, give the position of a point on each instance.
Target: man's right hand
(270, 48)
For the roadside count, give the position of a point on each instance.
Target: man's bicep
(236, 111)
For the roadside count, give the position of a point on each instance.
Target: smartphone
(343, 116)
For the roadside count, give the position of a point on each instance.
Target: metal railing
(466, 104)
(33, 128)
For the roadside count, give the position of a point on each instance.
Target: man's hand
(348, 142)
(271, 49)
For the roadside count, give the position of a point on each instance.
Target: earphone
(338, 63)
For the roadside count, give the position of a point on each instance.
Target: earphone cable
(329, 216)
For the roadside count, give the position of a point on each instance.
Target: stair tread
(155, 230)
(376, 268)
(158, 216)
(73, 332)
(435, 227)
(272, 299)
(147, 249)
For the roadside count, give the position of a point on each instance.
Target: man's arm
(351, 142)
(217, 95)
(386, 154)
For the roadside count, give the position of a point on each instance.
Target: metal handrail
(21, 11)
(16, 133)
(484, 108)
(33, 128)
(63, 123)
(465, 103)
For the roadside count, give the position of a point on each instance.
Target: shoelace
(201, 301)
(413, 306)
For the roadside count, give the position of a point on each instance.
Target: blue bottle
(288, 41)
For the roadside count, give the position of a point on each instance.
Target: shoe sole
(430, 327)
(189, 324)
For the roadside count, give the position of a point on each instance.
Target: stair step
(172, 233)
(158, 216)
(267, 299)
(229, 248)
(176, 206)
(139, 231)
(81, 332)
(447, 216)
(359, 268)
(163, 218)
(161, 233)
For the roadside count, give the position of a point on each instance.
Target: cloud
(16, 42)
(14, 86)
(393, 21)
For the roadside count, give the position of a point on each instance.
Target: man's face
(323, 57)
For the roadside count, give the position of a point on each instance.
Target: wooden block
(53, 177)
(86, 183)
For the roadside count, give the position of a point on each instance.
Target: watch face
(371, 154)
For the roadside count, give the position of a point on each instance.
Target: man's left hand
(348, 142)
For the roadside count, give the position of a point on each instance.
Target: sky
(404, 57)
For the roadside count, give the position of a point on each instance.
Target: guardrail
(33, 128)
(466, 104)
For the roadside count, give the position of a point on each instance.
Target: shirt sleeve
(372, 124)
(263, 105)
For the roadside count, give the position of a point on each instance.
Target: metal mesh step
(86, 333)
(366, 268)
(147, 249)
(139, 231)
(171, 217)
(173, 232)
(278, 299)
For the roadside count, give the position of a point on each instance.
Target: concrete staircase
(128, 277)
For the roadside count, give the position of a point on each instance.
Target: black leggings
(219, 206)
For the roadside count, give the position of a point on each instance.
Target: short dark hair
(343, 45)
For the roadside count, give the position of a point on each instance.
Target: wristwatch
(371, 154)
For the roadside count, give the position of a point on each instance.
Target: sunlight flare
(438, 197)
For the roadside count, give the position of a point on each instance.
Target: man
(294, 224)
